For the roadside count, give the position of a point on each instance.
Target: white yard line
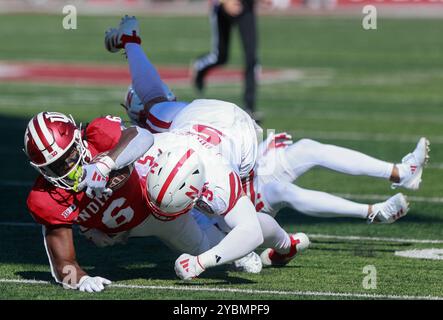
(383, 239)
(249, 291)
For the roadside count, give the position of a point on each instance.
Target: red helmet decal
(172, 174)
(194, 193)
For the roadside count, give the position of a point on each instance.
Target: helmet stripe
(171, 176)
(38, 129)
(43, 127)
(157, 122)
(34, 134)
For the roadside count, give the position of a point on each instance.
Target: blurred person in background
(224, 15)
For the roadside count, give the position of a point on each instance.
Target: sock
(404, 170)
(145, 78)
(274, 236)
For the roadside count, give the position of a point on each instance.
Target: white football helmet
(174, 183)
(135, 108)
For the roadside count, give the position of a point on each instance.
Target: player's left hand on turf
(188, 267)
(95, 177)
(92, 284)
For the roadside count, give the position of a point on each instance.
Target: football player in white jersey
(228, 133)
(280, 162)
(275, 188)
(266, 184)
(184, 170)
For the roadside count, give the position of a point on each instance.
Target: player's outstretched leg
(306, 153)
(145, 78)
(127, 32)
(275, 195)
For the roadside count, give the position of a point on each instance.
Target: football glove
(95, 177)
(188, 267)
(92, 284)
(275, 141)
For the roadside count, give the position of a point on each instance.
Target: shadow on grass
(141, 258)
(220, 277)
(144, 258)
(290, 216)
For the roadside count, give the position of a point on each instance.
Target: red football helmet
(54, 147)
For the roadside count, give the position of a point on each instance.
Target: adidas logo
(185, 264)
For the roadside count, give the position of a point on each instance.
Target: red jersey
(125, 209)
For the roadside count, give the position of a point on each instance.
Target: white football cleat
(299, 243)
(251, 263)
(389, 211)
(127, 32)
(414, 163)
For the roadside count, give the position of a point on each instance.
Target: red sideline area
(60, 73)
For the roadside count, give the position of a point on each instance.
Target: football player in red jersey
(63, 154)
(82, 174)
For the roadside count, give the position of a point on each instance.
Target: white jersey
(224, 128)
(161, 115)
(222, 187)
(271, 166)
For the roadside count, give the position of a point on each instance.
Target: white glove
(251, 263)
(101, 239)
(95, 177)
(92, 284)
(275, 141)
(188, 267)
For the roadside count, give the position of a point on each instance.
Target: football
(118, 178)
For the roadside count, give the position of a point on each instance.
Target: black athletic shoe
(198, 81)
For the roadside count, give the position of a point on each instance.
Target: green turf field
(374, 91)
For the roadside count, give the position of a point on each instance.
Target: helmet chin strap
(75, 175)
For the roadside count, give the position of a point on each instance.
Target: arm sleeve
(245, 236)
(145, 78)
(135, 149)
